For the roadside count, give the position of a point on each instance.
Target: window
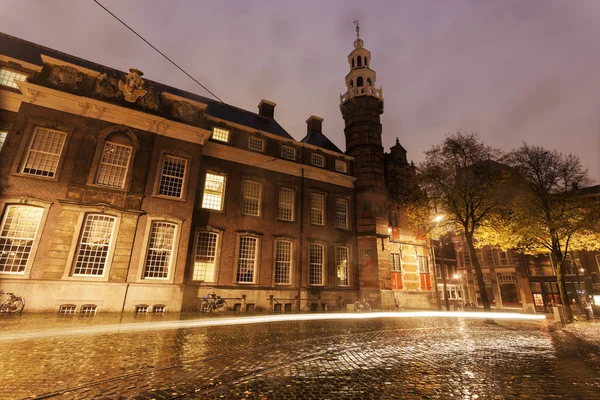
(503, 257)
(359, 81)
(341, 263)
(67, 309)
(285, 211)
(341, 213)
(2, 138)
(317, 160)
(251, 192)
(94, 244)
(248, 247)
(506, 278)
(220, 134)
(17, 234)
(423, 264)
(141, 309)
(341, 166)
(8, 78)
(396, 262)
(283, 262)
(288, 152)
(598, 260)
(172, 176)
(113, 165)
(256, 144)
(205, 257)
(317, 209)
(44, 152)
(88, 310)
(316, 264)
(160, 250)
(214, 189)
(158, 309)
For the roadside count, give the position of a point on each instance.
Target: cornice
(56, 61)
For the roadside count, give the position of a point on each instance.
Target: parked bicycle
(13, 304)
(464, 306)
(361, 305)
(212, 302)
(397, 304)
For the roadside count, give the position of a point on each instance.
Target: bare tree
(463, 178)
(552, 214)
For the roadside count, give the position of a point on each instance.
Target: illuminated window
(160, 250)
(288, 152)
(220, 134)
(317, 209)
(256, 144)
(248, 247)
(67, 309)
(205, 257)
(141, 309)
(251, 192)
(2, 138)
(44, 152)
(8, 78)
(341, 166)
(158, 309)
(341, 263)
(172, 176)
(214, 190)
(316, 264)
(283, 262)
(94, 244)
(396, 262)
(317, 160)
(423, 264)
(113, 165)
(285, 211)
(88, 310)
(341, 213)
(17, 235)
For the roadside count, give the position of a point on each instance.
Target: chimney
(314, 124)
(266, 109)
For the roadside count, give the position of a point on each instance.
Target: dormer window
(256, 144)
(8, 78)
(317, 160)
(220, 134)
(341, 166)
(288, 152)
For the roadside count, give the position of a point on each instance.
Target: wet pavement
(416, 358)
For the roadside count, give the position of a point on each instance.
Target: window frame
(257, 253)
(293, 204)
(101, 163)
(222, 129)
(244, 197)
(217, 260)
(5, 202)
(223, 198)
(159, 175)
(14, 71)
(276, 261)
(110, 248)
(347, 219)
(3, 137)
(257, 139)
(25, 146)
(323, 208)
(292, 148)
(339, 162)
(399, 267)
(323, 263)
(150, 221)
(337, 266)
(314, 156)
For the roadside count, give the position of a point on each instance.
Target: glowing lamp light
(438, 218)
(456, 276)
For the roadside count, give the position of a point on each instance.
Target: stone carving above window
(107, 86)
(66, 76)
(184, 110)
(150, 100)
(132, 85)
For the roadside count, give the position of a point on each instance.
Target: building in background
(122, 194)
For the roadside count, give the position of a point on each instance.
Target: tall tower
(362, 106)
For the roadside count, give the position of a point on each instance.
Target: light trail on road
(261, 319)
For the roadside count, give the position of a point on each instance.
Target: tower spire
(357, 23)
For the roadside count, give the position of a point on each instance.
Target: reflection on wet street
(344, 359)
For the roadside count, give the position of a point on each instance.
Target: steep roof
(320, 140)
(31, 53)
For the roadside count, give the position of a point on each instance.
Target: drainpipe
(301, 218)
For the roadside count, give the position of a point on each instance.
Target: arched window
(366, 62)
(359, 81)
(369, 83)
(353, 63)
(351, 83)
(359, 61)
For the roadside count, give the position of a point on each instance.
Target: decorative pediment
(184, 110)
(66, 76)
(132, 86)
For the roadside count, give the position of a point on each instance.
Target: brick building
(122, 194)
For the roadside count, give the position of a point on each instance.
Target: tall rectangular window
(285, 211)
(172, 176)
(283, 262)
(251, 192)
(214, 191)
(423, 264)
(2, 138)
(503, 257)
(8, 78)
(248, 247)
(341, 166)
(317, 209)
(288, 152)
(317, 160)
(341, 213)
(160, 250)
(113, 165)
(316, 264)
(341, 263)
(205, 258)
(44, 152)
(94, 244)
(220, 134)
(256, 144)
(396, 262)
(17, 235)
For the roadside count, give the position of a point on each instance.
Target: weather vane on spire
(356, 22)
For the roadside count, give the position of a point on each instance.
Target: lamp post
(437, 219)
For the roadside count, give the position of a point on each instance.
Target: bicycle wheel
(18, 305)
(5, 306)
(203, 306)
(221, 305)
(367, 306)
(358, 306)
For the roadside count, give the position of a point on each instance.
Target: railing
(361, 91)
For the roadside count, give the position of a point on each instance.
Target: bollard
(243, 307)
(271, 308)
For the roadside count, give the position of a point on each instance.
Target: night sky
(512, 70)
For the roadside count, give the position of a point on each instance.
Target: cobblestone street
(425, 358)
